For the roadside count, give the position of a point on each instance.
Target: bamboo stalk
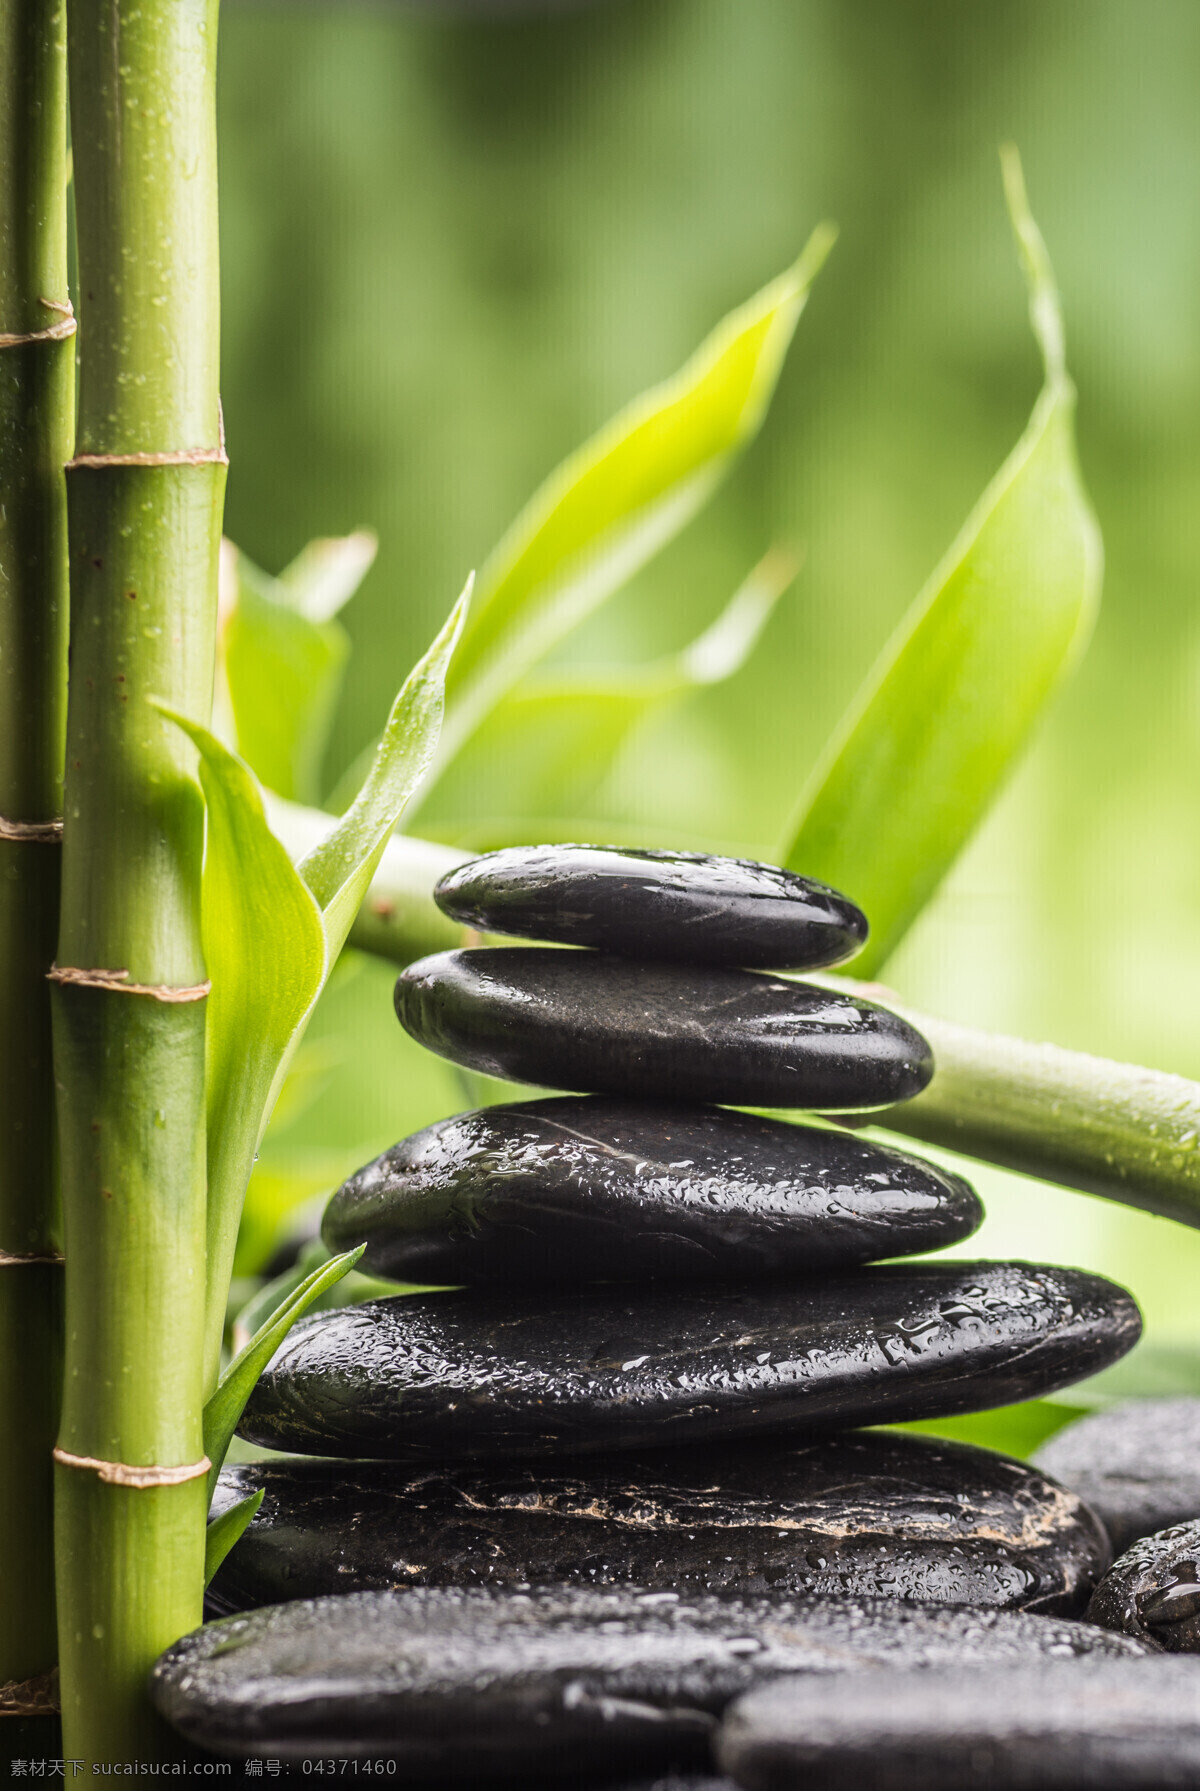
(36, 430)
(144, 493)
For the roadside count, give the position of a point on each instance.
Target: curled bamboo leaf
(227, 1529)
(339, 869)
(935, 730)
(622, 496)
(226, 1404)
(283, 657)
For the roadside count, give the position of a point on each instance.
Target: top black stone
(685, 906)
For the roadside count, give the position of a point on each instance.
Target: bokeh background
(453, 245)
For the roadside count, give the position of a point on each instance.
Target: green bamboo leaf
(339, 869)
(622, 496)
(929, 740)
(547, 744)
(284, 658)
(264, 945)
(226, 1404)
(227, 1529)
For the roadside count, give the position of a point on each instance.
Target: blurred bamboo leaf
(339, 869)
(284, 657)
(936, 728)
(227, 1529)
(547, 743)
(621, 497)
(225, 1405)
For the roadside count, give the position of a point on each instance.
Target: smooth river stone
(666, 1032)
(1153, 1590)
(444, 1376)
(1064, 1725)
(579, 1189)
(871, 1513)
(1137, 1465)
(471, 1684)
(684, 906)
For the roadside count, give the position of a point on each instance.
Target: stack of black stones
(615, 1473)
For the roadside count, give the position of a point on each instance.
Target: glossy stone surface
(684, 906)
(469, 1684)
(867, 1514)
(580, 1189)
(1066, 1725)
(445, 1376)
(1137, 1465)
(1153, 1590)
(664, 1032)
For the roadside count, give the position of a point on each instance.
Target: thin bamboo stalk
(145, 492)
(36, 430)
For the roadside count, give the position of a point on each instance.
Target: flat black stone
(684, 906)
(583, 1188)
(1066, 1725)
(1137, 1465)
(445, 1376)
(871, 1514)
(606, 1025)
(466, 1685)
(1153, 1590)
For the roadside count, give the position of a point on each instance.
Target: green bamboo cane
(37, 391)
(144, 495)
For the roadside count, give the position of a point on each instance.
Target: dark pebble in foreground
(685, 906)
(471, 1685)
(582, 1188)
(446, 1376)
(1153, 1590)
(1082, 1725)
(666, 1032)
(869, 1514)
(1137, 1465)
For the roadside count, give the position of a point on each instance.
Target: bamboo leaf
(929, 740)
(339, 869)
(547, 744)
(264, 945)
(227, 1529)
(284, 658)
(225, 1406)
(622, 496)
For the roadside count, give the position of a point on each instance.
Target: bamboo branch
(36, 430)
(145, 493)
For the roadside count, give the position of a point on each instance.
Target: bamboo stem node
(54, 332)
(121, 1473)
(117, 982)
(14, 1260)
(172, 457)
(42, 833)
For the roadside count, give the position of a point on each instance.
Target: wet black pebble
(656, 904)
(446, 1376)
(1153, 1590)
(1064, 1725)
(866, 1514)
(465, 1686)
(665, 1032)
(1137, 1465)
(583, 1188)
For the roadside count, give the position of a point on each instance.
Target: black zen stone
(870, 1513)
(450, 1376)
(667, 1032)
(1066, 1725)
(1137, 1465)
(1153, 1590)
(468, 1685)
(580, 1189)
(685, 906)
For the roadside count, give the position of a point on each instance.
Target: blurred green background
(453, 246)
